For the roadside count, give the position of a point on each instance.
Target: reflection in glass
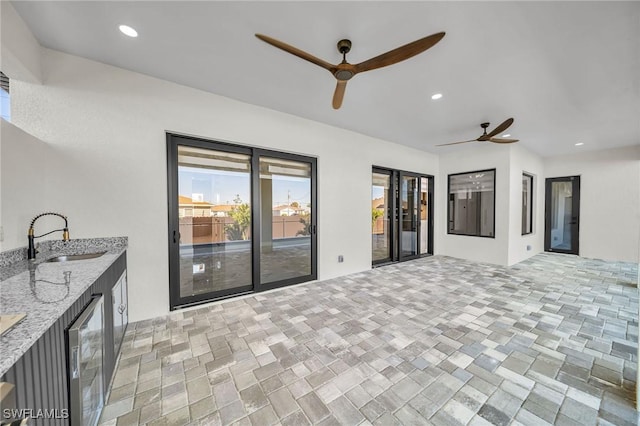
(561, 213)
(91, 353)
(285, 207)
(471, 203)
(424, 215)
(214, 212)
(527, 204)
(85, 364)
(409, 212)
(380, 218)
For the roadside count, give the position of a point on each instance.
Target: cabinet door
(125, 303)
(118, 309)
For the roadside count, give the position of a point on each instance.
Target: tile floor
(552, 340)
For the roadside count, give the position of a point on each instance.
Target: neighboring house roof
(186, 201)
(377, 203)
(223, 207)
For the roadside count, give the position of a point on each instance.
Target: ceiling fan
(490, 137)
(344, 71)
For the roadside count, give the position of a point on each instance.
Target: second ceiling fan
(490, 137)
(344, 71)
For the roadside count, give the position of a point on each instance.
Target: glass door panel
(409, 207)
(381, 206)
(424, 215)
(401, 215)
(285, 219)
(240, 219)
(562, 214)
(214, 214)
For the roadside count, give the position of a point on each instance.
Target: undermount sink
(70, 257)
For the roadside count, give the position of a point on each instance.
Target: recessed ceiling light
(506, 135)
(580, 144)
(436, 96)
(128, 31)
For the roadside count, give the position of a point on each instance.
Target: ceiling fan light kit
(344, 71)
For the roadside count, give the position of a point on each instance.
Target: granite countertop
(44, 291)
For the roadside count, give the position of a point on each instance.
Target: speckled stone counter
(44, 291)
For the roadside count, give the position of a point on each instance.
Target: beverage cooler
(86, 364)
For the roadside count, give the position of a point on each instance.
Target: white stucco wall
(20, 51)
(23, 184)
(524, 161)
(482, 249)
(609, 200)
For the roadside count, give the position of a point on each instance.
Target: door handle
(75, 362)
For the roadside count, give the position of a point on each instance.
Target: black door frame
(173, 141)
(575, 211)
(400, 256)
(394, 215)
(390, 214)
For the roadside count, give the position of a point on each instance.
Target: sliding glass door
(382, 207)
(425, 226)
(401, 213)
(240, 219)
(409, 207)
(286, 220)
(214, 222)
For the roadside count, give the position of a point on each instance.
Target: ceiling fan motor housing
(344, 70)
(343, 75)
(344, 46)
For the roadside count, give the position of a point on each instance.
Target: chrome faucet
(31, 251)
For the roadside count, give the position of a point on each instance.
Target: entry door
(240, 219)
(562, 210)
(401, 215)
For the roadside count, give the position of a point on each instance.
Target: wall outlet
(340, 258)
(528, 248)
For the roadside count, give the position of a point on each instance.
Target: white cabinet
(120, 311)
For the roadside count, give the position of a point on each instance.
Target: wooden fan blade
(502, 140)
(456, 143)
(297, 52)
(339, 94)
(501, 128)
(400, 54)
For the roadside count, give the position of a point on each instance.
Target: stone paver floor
(438, 340)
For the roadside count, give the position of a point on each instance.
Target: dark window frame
(396, 235)
(530, 201)
(495, 192)
(173, 140)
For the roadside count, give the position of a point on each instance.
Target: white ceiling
(567, 72)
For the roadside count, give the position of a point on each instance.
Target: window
(472, 203)
(527, 204)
